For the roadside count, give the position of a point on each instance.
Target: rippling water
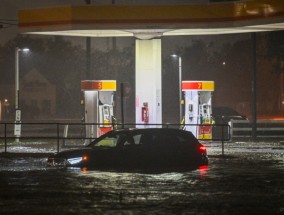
(246, 183)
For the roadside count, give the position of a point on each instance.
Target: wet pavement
(249, 179)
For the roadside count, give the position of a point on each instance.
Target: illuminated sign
(197, 85)
(98, 85)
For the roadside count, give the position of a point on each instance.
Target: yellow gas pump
(99, 105)
(198, 96)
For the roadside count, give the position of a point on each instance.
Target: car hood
(72, 153)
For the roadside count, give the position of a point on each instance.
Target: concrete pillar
(148, 80)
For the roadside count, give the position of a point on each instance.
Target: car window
(182, 139)
(159, 138)
(146, 139)
(137, 139)
(166, 138)
(129, 141)
(186, 138)
(132, 140)
(171, 139)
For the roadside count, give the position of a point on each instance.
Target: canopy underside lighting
(152, 21)
(149, 34)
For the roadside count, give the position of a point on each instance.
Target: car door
(107, 153)
(167, 143)
(132, 151)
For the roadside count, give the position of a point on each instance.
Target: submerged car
(151, 149)
(223, 115)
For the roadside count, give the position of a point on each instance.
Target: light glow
(25, 49)
(74, 160)
(202, 148)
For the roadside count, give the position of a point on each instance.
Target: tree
(58, 60)
(228, 65)
(117, 65)
(275, 49)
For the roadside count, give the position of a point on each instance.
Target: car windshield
(109, 140)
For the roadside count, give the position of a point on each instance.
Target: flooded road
(250, 180)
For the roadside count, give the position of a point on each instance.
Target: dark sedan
(223, 115)
(152, 149)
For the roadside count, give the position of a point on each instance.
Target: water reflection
(203, 171)
(137, 188)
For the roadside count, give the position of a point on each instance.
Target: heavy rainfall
(244, 177)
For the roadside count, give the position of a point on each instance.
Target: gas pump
(99, 97)
(198, 109)
(105, 115)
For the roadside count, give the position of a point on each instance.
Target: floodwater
(249, 180)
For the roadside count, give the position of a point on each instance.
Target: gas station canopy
(152, 21)
(148, 23)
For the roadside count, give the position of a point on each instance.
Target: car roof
(134, 131)
(152, 131)
(149, 129)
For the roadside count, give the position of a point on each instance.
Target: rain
(246, 178)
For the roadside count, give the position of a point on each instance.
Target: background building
(37, 97)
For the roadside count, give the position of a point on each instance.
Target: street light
(180, 79)
(17, 128)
